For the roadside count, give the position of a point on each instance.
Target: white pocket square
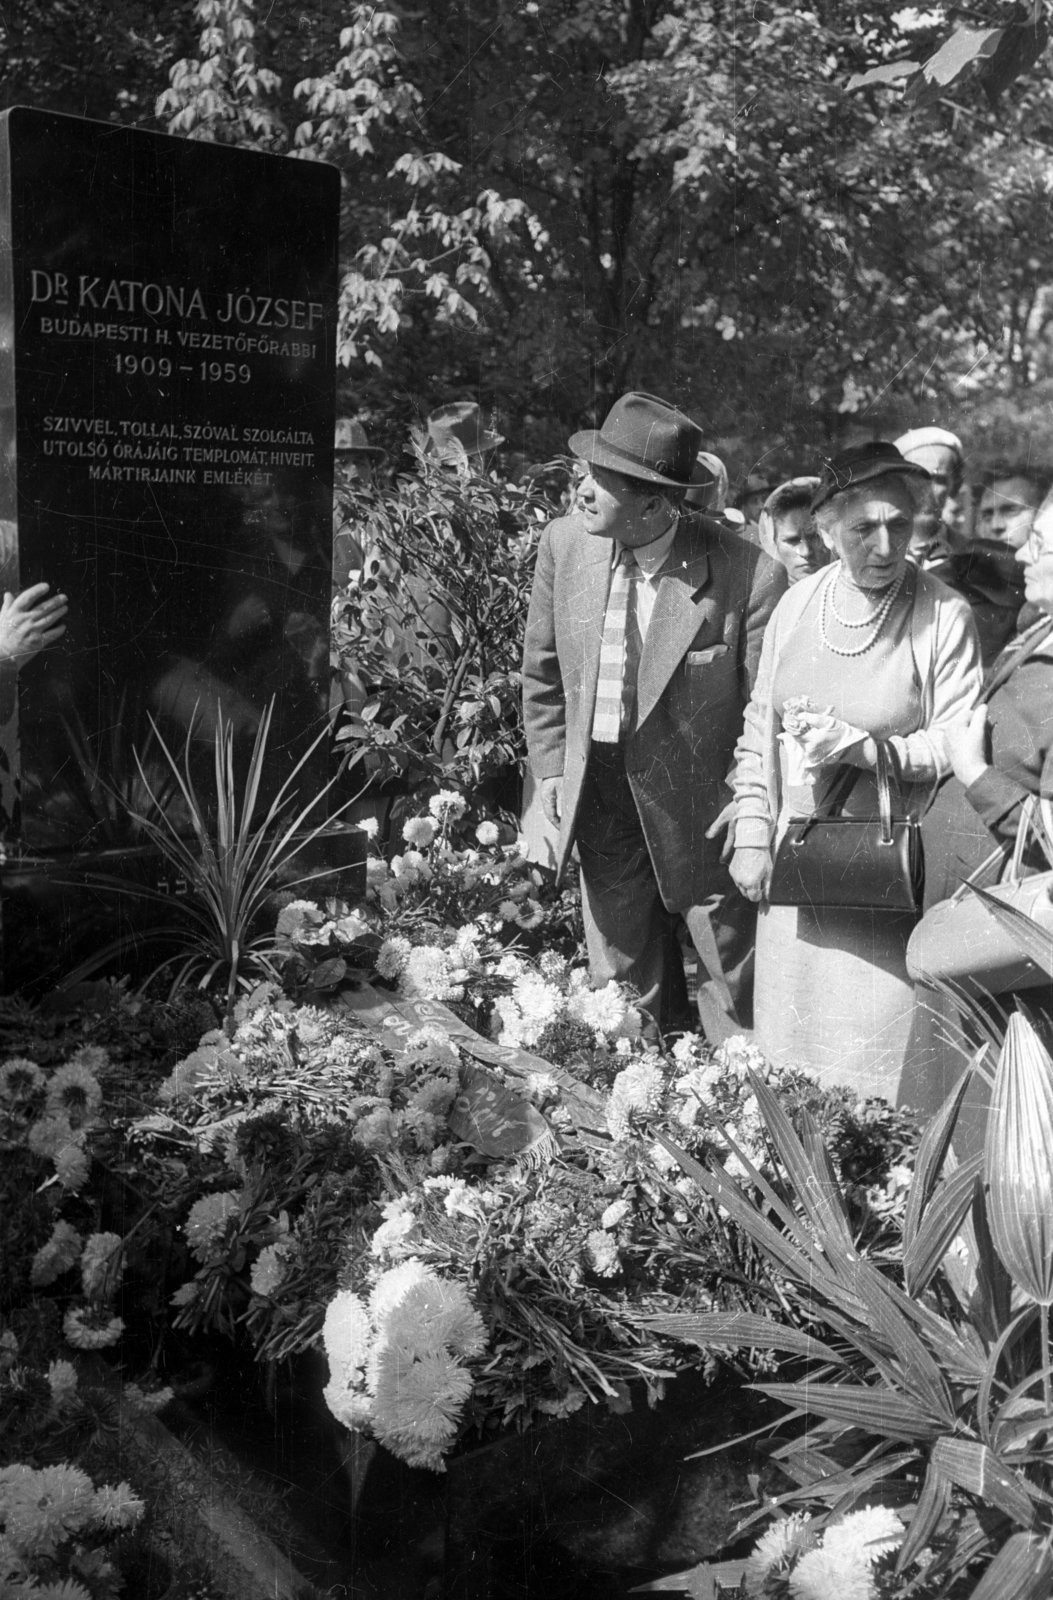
(701, 658)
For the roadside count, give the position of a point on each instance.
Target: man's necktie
(619, 655)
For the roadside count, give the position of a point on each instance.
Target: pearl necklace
(877, 620)
(864, 622)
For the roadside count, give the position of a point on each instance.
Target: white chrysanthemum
(102, 1265)
(399, 1222)
(392, 957)
(62, 1381)
(145, 1402)
(487, 833)
(42, 1508)
(509, 966)
(871, 1533)
(20, 1078)
(426, 975)
(539, 1001)
(604, 1009)
(347, 1334)
(447, 806)
(377, 872)
(552, 966)
(508, 910)
(776, 1547)
(50, 1135)
(208, 1219)
(393, 1285)
(419, 1403)
(822, 1575)
(370, 826)
(268, 1269)
(61, 1252)
(352, 1407)
(687, 1049)
(737, 1054)
(74, 1092)
(419, 832)
(603, 1253)
(61, 1589)
(435, 1314)
(90, 1328)
(72, 1167)
(616, 1212)
(117, 1508)
(638, 1089)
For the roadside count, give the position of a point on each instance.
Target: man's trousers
(633, 938)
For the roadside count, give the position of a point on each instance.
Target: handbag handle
(1036, 816)
(843, 785)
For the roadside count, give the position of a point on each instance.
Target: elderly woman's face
(870, 531)
(1036, 557)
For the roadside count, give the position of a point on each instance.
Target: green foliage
(929, 1383)
(433, 630)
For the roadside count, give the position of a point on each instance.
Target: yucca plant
(926, 1379)
(229, 867)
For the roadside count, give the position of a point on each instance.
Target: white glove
(814, 737)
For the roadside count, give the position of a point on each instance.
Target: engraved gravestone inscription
(167, 361)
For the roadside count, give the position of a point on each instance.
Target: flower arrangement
(802, 1558)
(57, 1529)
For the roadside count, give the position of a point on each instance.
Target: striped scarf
(619, 654)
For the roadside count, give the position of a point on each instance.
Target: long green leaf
(941, 1222)
(876, 1410)
(1031, 937)
(932, 1506)
(1013, 1331)
(809, 1188)
(738, 1329)
(1022, 1570)
(976, 1469)
(932, 1152)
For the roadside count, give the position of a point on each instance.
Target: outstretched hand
(29, 622)
(724, 822)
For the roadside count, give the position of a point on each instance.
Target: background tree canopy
(793, 221)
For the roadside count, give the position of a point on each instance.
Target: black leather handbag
(857, 863)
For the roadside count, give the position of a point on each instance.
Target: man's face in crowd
(354, 468)
(1007, 511)
(614, 508)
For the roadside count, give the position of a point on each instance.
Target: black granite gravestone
(167, 365)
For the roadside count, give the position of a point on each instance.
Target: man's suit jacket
(715, 595)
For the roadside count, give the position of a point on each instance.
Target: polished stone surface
(167, 361)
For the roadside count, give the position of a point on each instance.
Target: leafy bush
(433, 630)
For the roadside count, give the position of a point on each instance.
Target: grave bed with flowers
(433, 1152)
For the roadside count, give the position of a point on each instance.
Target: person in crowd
(988, 577)
(788, 530)
(456, 435)
(642, 640)
(709, 491)
(940, 453)
(758, 486)
(999, 757)
(1007, 508)
(869, 648)
(30, 621)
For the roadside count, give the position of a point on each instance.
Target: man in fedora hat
(642, 642)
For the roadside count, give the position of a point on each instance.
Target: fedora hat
(350, 436)
(458, 427)
(861, 464)
(643, 437)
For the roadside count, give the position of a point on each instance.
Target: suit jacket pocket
(702, 658)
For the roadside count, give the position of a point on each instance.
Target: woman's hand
(824, 739)
(29, 622)
(751, 871)
(967, 747)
